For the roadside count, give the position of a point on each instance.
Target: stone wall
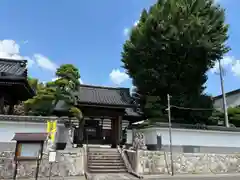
(68, 163)
(158, 162)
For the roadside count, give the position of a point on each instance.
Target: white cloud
(80, 80)
(44, 62)
(228, 62)
(118, 77)
(236, 67)
(136, 23)
(126, 31)
(9, 49)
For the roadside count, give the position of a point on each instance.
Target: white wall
(8, 129)
(232, 100)
(181, 137)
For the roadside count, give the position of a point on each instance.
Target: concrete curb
(53, 178)
(190, 176)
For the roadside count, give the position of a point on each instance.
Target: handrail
(127, 164)
(86, 159)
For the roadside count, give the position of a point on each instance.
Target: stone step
(101, 166)
(102, 149)
(110, 158)
(102, 153)
(107, 170)
(104, 163)
(106, 151)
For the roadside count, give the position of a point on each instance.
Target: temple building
(107, 110)
(14, 86)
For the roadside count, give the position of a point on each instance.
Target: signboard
(29, 150)
(52, 156)
(159, 142)
(52, 129)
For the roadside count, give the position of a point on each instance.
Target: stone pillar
(115, 133)
(120, 130)
(113, 138)
(102, 136)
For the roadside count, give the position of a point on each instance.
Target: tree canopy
(170, 51)
(62, 89)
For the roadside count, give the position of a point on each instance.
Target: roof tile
(13, 67)
(30, 136)
(104, 95)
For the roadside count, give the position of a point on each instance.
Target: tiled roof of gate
(97, 95)
(30, 136)
(12, 67)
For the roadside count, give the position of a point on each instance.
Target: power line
(192, 109)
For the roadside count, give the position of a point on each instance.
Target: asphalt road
(196, 177)
(177, 177)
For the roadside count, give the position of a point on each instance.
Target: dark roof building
(104, 96)
(104, 101)
(109, 105)
(14, 85)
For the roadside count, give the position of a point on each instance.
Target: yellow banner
(52, 129)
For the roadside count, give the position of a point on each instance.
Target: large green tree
(36, 85)
(62, 89)
(170, 51)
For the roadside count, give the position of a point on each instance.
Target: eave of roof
(15, 72)
(13, 67)
(227, 94)
(30, 136)
(104, 96)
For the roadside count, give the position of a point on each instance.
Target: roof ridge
(103, 87)
(12, 60)
(227, 93)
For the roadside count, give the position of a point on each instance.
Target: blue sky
(90, 34)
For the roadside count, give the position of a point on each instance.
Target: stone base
(69, 163)
(153, 147)
(159, 162)
(60, 146)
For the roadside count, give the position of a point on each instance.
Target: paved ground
(152, 177)
(55, 178)
(196, 177)
(161, 177)
(120, 176)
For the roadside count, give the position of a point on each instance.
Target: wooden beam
(102, 112)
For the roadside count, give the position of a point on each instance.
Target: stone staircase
(105, 160)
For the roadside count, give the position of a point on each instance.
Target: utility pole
(223, 95)
(170, 133)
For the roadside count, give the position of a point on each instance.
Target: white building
(214, 140)
(232, 100)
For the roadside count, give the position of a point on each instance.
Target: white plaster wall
(8, 129)
(129, 137)
(181, 137)
(232, 100)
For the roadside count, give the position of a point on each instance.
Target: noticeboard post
(51, 159)
(29, 147)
